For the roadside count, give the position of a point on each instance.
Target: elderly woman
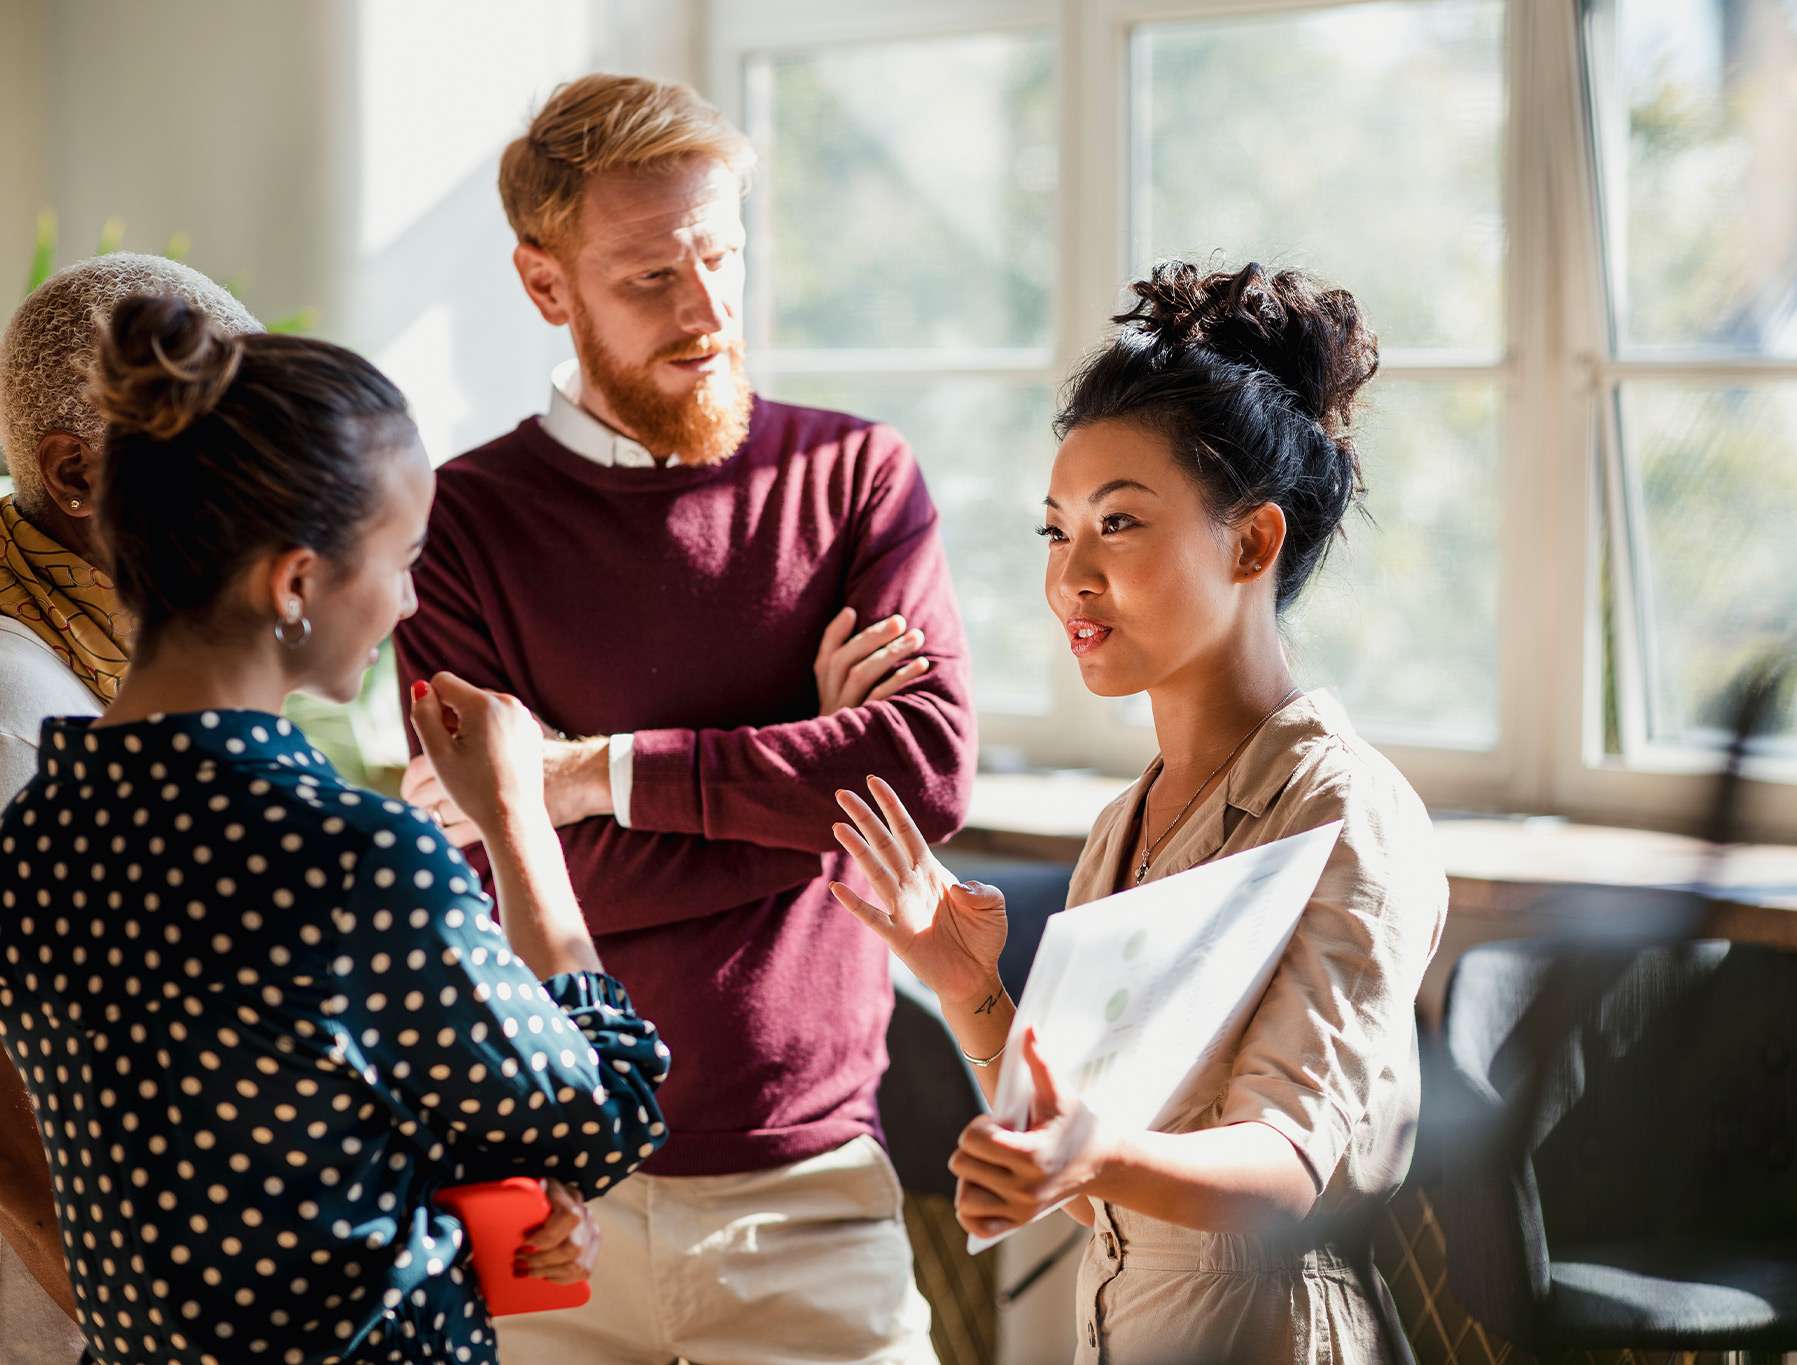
(63, 650)
(267, 1016)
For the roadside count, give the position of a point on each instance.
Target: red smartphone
(497, 1214)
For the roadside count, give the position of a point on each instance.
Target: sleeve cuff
(664, 785)
(1306, 1118)
(583, 991)
(622, 754)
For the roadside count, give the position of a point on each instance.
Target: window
(1365, 143)
(902, 267)
(1582, 445)
(1694, 107)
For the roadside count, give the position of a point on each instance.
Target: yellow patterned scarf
(65, 601)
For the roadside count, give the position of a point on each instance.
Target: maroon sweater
(686, 605)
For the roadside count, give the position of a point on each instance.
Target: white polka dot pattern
(263, 1016)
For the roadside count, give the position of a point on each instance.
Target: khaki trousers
(804, 1263)
(33, 1329)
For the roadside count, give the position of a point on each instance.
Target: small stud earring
(74, 504)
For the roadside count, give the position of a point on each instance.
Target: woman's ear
(71, 472)
(1258, 541)
(291, 580)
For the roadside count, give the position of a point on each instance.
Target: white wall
(23, 107)
(334, 154)
(433, 297)
(222, 121)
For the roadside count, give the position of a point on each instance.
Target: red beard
(705, 426)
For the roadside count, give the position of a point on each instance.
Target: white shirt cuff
(622, 751)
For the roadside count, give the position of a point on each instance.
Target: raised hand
(485, 749)
(576, 783)
(949, 933)
(852, 670)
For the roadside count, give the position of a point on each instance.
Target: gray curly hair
(49, 348)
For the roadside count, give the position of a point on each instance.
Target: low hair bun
(1309, 337)
(162, 366)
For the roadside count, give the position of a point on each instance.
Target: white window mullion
(1542, 539)
(1563, 357)
(751, 88)
(846, 362)
(1093, 260)
(1631, 609)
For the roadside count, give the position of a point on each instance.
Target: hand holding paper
(1141, 998)
(1007, 1178)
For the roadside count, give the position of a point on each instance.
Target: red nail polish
(420, 689)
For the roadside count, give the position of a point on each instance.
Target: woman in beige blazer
(1205, 467)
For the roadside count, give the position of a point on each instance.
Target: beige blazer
(1329, 1058)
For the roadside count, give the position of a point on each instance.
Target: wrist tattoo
(987, 1008)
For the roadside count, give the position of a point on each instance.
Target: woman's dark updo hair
(1252, 380)
(220, 448)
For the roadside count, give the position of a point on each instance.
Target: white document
(1132, 994)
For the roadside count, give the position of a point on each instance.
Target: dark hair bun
(162, 365)
(1253, 383)
(1309, 337)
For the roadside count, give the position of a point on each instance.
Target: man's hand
(577, 778)
(853, 670)
(576, 785)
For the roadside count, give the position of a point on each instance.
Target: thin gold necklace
(1152, 844)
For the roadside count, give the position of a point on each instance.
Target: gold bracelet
(983, 1062)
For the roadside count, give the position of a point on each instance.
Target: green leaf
(112, 236)
(43, 254)
(302, 320)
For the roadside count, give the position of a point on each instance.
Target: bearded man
(740, 607)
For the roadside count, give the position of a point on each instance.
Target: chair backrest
(1669, 1102)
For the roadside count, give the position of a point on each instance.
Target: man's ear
(71, 472)
(546, 283)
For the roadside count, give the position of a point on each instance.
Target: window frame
(1565, 487)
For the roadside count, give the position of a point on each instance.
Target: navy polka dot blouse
(264, 1016)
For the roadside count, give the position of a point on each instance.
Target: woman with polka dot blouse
(265, 1016)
